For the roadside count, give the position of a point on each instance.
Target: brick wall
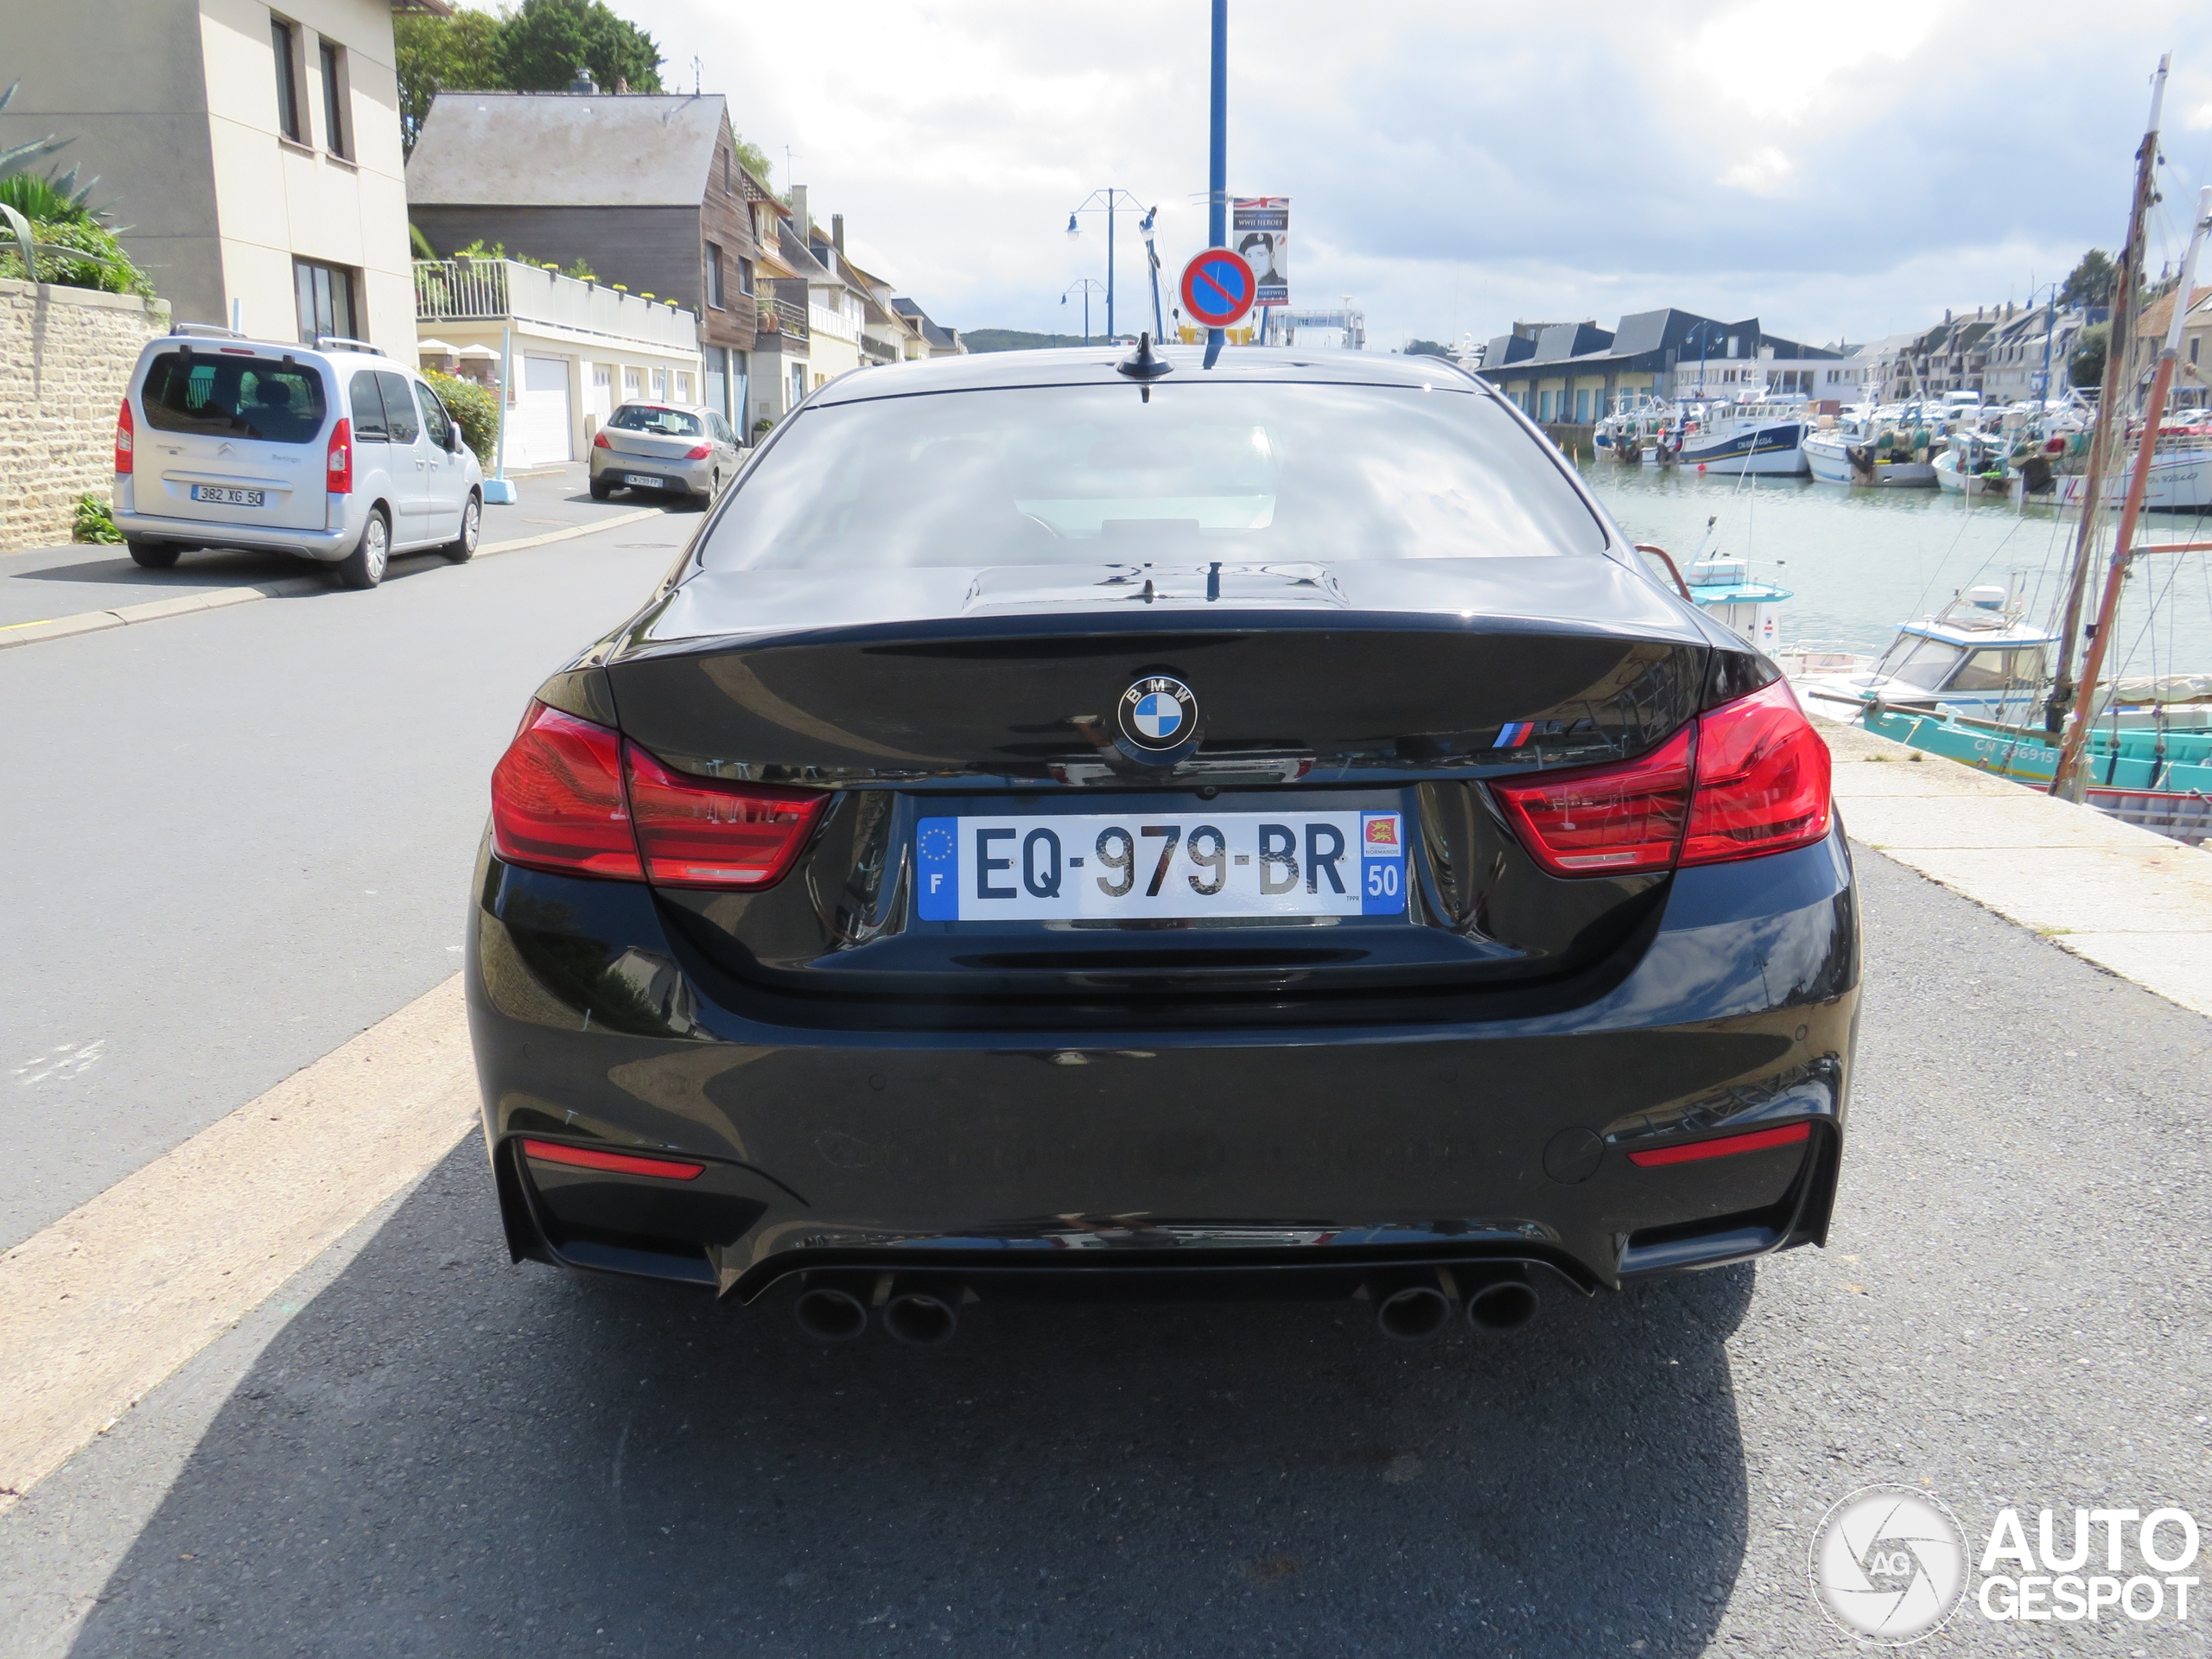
(66, 355)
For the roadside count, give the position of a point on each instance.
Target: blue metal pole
(1217, 159)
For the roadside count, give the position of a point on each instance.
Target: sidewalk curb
(65, 627)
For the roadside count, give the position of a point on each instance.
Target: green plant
(51, 199)
(109, 269)
(14, 158)
(578, 268)
(475, 407)
(540, 43)
(436, 54)
(766, 423)
(95, 522)
(419, 242)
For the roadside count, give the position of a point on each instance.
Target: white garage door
(540, 432)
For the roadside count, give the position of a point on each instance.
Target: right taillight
(125, 438)
(572, 797)
(557, 800)
(1745, 779)
(1762, 779)
(338, 460)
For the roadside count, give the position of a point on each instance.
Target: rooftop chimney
(583, 83)
(800, 222)
(837, 233)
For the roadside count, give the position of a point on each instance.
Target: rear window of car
(233, 397)
(1100, 474)
(668, 422)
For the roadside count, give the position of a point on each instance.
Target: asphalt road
(40, 583)
(233, 840)
(428, 1450)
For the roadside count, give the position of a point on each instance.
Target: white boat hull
(2180, 482)
(1828, 459)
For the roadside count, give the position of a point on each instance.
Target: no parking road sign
(1218, 288)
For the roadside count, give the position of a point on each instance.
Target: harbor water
(1861, 560)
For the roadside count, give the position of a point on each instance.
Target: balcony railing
(498, 290)
(783, 317)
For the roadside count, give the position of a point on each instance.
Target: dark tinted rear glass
(233, 397)
(402, 424)
(643, 417)
(1089, 475)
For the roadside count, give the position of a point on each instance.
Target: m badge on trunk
(1158, 714)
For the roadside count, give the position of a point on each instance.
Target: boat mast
(2126, 280)
(2067, 780)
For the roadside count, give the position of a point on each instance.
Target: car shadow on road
(442, 1453)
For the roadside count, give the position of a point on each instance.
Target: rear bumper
(327, 546)
(1148, 1162)
(692, 477)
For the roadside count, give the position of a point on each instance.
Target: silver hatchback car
(674, 448)
(333, 452)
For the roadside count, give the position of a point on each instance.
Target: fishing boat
(1978, 654)
(1763, 438)
(1887, 449)
(2181, 472)
(1973, 463)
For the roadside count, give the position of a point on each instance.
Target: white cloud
(1453, 164)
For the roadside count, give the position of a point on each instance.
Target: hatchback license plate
(1139, 865)
(641, 478)
(222, 495)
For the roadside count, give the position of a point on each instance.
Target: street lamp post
(1109, 201)
(1085, 287)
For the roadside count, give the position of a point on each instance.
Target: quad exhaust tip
(829, 1313)
(921, 1313)
(1502, 1306)
(1411, 1312)
(1413, 1308)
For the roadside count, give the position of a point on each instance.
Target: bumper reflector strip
(1726, 1147)
(618, 1163)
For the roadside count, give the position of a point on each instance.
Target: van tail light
(1762, 779)
(556, 799)
(599, 442)
(338, 461)
(1747, 778)
(1611, 821)
(695, 833)
(571, 797)
(126, 438)
(698, 452)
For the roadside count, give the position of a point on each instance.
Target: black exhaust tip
(922, 1314)
(829, 1314)
(1502, 1306)
(1411, 1312)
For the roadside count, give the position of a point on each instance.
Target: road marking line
(97, 1310)
(156, 610)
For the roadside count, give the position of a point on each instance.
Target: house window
(714, 275)
(683, 386)
(284, 38)
(660, 385)
(335, 138)
(633, 385)
(745, 275)
(325, 295)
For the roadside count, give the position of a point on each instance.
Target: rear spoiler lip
(1177, 624)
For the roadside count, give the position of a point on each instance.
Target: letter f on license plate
(1156, 865)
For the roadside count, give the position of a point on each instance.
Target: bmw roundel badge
(1158, 714)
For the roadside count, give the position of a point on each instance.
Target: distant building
(940, 340)
(2192, 376)
(254, 155)
(1577, 372)
(646, 189)
(2029, 340)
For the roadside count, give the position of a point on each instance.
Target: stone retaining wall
(66, 355)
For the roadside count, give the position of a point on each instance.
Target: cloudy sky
(1838, 171)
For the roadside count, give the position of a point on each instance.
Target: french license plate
(650, 480)
(222, 496)
(1139, 865)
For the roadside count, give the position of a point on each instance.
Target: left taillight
(127, 437)
(698, 834)
(1747, 778)
(572, 797)
(338, 460)
(558, 801)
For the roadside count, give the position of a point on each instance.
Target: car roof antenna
(1144, 362)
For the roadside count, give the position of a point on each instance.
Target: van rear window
(233, 397)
